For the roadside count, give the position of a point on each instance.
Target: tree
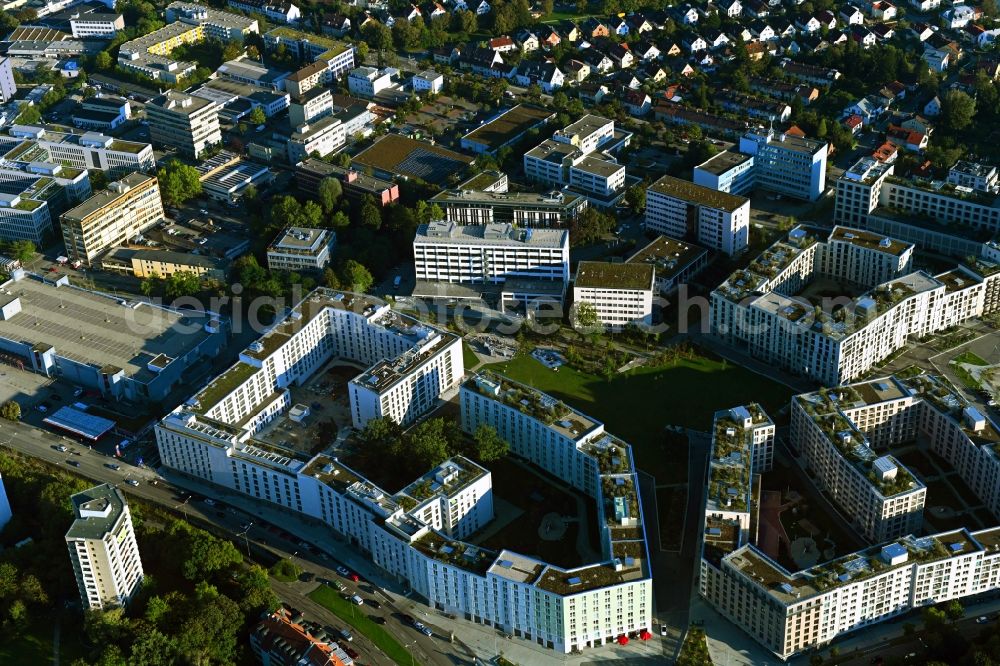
(329, 193)
(584, 315)
(356, 277)
(103, 61)
(10, 410)
(178, 182)
(428, 444)
(990, 8)
(285, 570)
(257, 595)
(330, 279)
(182, 283)
(29, 116)
(371, 215)
(22, 250)
(209, 635)
(377, 35)
(957, 109)
(154, 648)
(383, 437)
(955, 610)
(464, 21)
(257, 116)
(489, 445)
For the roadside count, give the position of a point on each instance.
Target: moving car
(73, 463)
(132, 482)
(112, 466)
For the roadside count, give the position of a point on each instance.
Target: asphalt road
(261, 535)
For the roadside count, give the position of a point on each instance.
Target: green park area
(356, 617)
(638, 404)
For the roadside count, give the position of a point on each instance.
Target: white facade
(787, 165)
(369, 81)
(189, 123)
(492, 253)
(103, 549)
(414, 534)
(758, 310)
(714, 219)
(5, 513)
(7, 86)
(428, 81)
(793, 612)
(299, 249)
(85, 150)
(96, 26)
(622, 294)
(323, 136)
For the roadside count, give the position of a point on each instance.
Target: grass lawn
(355, 616)
(970, 358)
(35, 647)
(636, 407)
(469, 357)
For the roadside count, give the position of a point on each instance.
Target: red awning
(623, 640)
(645, 635)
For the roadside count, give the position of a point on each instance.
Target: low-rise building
(428, 81)
(152, 263)
(337, 56)
(226, 176)
(96, 25)
(369, 81)
(102, 113)
(621, 294)
(684, 210)
(523, 209)
(321, 137)
(310, 172)
(301, 249)
(675, 262)
(254, 73)
(970, 174)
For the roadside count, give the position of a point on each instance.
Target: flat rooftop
(106, 197)
(668, 256)
(509, 125)
(298, 238)
(553, 151)
(870, 240)
(98, 331)
(705, 196)
(724, 161)
(594, 577)
(516, 567)
(104, 499)
(554, 199)
(585, 126)
(449, 233)
(408, 157)
(605, 275)
(597, 166)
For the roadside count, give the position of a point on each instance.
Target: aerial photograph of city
(499, 332)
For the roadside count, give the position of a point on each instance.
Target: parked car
(209, 501)
(345, 634)
(73, 463)
(356, 600)
(113, 466)
(343, 571)
(377, 619)
(374, 603)
(982, 619)
(132, 482)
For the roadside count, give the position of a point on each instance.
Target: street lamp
(407, 647)
(247, 538)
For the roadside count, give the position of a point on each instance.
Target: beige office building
(112, 217)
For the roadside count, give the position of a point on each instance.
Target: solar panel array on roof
(80, 423)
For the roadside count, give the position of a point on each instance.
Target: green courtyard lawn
(355, 616)
(34, 646)
(637, 406)
(469, 358)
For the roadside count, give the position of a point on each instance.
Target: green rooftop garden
(224, 384)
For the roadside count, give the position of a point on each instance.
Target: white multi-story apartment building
(110, 218)
(971, 174)
(757, 309)
(96, 25)
(680, 209)
(313, 105)
(338, 57)
(189, 123)
(467, 205)
(579, 156)
(322, 136)
(948, 218)
(428, 81)
(729, 171)
(301, 249)
(790, 165)
(491, 253)
(276, 10)
(791, 613)
(7, 86)
(415, 535)
(82, 150)
(369, 81)
(103, 548)
(622, 294)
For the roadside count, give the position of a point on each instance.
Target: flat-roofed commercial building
(786, 164)
(675, 262)
(226, 176)
(729, 171)
(237, 99)
(189, 123)
(684, 210)
(33, 193)
(80, 149)
(102, 113)
(972, 174)
(322, 137)
(96, 25)
(110, 218)
(103, 548)
(310, 172)
(622, 294)
(337, 56)
(125, 350)
(478, 256)
(254, 73)
(523, 209)
(301, 249)
(838, 432)
(758, 308)
(504, 129)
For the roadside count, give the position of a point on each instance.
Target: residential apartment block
(7, 86)
(110, 218)
(323, 137)
(189, 123)
(338, 57)
(941, 216)
(369, 81)
(82, 150)
(976, 176)
(32, 193)
(794, 612)
(621, 294)
(684, 210)
(758, 309)
(301, 249)
(146, 263)
(103, 548)
(675, 262)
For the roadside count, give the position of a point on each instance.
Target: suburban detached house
(335, 25)
(933, 107)
(432, 10)
(869, 108)
(854, 123)
(545, 74)
(547, 36)
(863, 36)
(715, 38)
(592, 92)
(645, 50)
(911, 140)
(638, 24)
(918, 124)
(670, 49)
(637, 103)
(731, 8)
(980, 36)
(851, 15)
(761, 31)
(502, 44)
(694, 43)
(623, 79)
(527, 40)
(598, 62)
(886, 153)
(827, 19)
(480, 7)
(784, 28)
(756, 8)
(685, 14)
(618, 27)
(807, 24)
(651, 71)
(921, 31)
(481, 61)
(570, 31)
(883, 10)
(577, 71)
(883, 32)
(621, 55)
(925, 5)
(592, 28)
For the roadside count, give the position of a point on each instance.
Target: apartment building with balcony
(301, 249)
(621, 294)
